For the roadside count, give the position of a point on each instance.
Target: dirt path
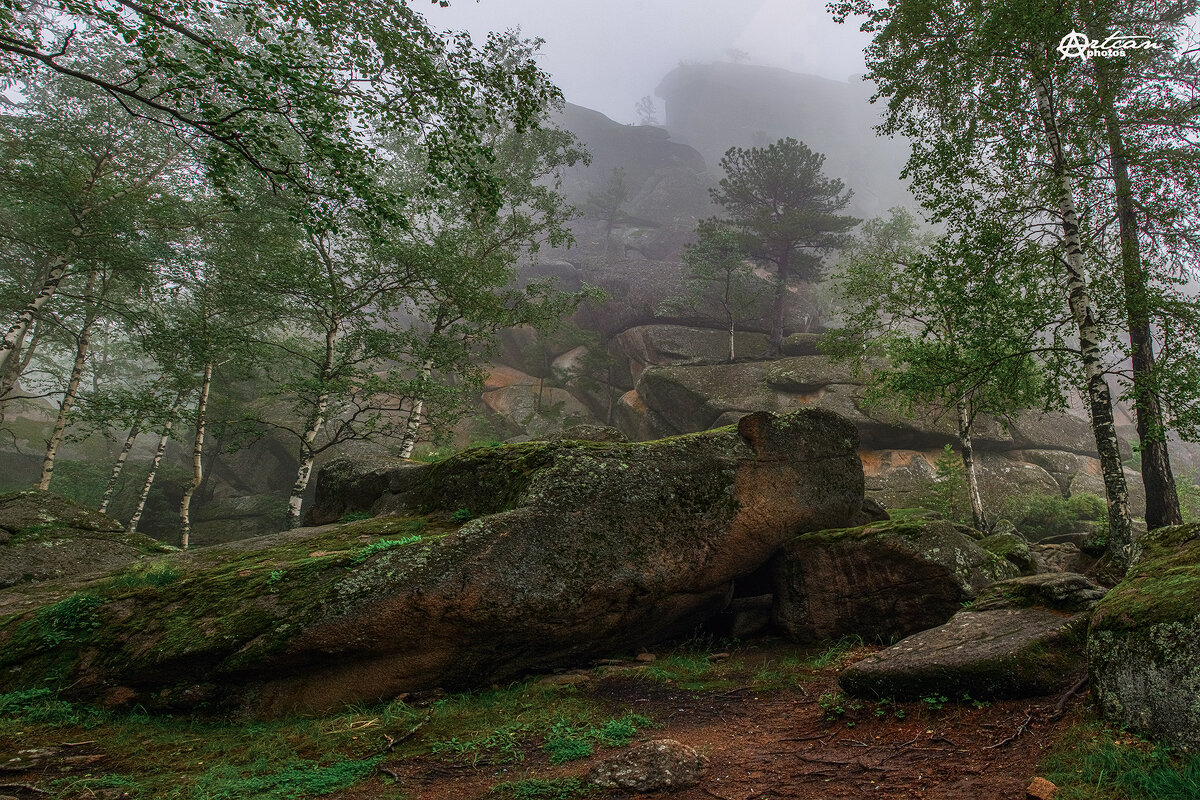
(798, 743)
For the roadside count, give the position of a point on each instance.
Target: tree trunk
(968, 458)
(731, 332)
(414, 417)
(779, 307)
(1120, 531)
(17, 365)
(154, 464)
(120, 465)
(185, 506)
(81, 352)
(315, 423)
(1162, 502)
(14, 337)
(307, 457)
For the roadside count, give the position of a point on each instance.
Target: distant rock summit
(713, 107)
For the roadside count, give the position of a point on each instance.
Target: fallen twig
(23, 787)
(76, 744)
(1020, 729)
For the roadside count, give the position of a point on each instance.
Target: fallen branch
(23, 787)
(1020, 729)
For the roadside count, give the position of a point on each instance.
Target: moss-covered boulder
(1022, 638)
(880, 581)
(44, 536)
(1144, 642)
(1012, 547)
(575, 550)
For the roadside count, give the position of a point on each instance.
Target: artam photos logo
(1076, 44)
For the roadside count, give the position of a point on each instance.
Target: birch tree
(81, 189)
(975, 88)
(963, 323)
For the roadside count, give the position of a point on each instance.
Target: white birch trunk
(414, 416)
(14, 337)
(307, 457)
(154, 464)
(122, 457)
(1120, 531)
(968, 458)
(185, 506)
(60, 423)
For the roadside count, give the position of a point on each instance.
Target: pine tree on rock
(779, 198)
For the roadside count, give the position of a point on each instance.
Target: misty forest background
(238, 241)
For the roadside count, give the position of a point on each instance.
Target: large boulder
(676, 345)
(1144, 642)
(44, 536)
(1021, 638)
(881, 581)
(576, 550)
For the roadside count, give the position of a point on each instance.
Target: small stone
(611, 662)
(646, 658)
(659, 765)
(1040, 789)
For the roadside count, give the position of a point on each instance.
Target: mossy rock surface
(880, 581)
(575, 550)
(1144, 642)
(1011, 547)
(45, 537)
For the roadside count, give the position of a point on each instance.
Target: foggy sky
(607, 54)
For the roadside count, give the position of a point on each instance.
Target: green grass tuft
(1097, 763)
(543, 789)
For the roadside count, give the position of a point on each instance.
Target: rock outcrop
(881, 581)
(572, 550)
(1022, 637)
(1144, 641)
(44, 537)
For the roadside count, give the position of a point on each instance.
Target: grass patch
(543, 789)
(1093, 762)
(502, 725)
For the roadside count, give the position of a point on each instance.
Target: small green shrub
(1189, 496)
(354, 516)
(949, 490)
(68, 620)
(383, 544)
(935, 702)
(833, 704)
(1087, 507)
(461, 515)
(1038, 516)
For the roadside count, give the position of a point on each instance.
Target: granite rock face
(880, 581)
(1021, 638)
(492, 563)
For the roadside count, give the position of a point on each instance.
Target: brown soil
(784, 745)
